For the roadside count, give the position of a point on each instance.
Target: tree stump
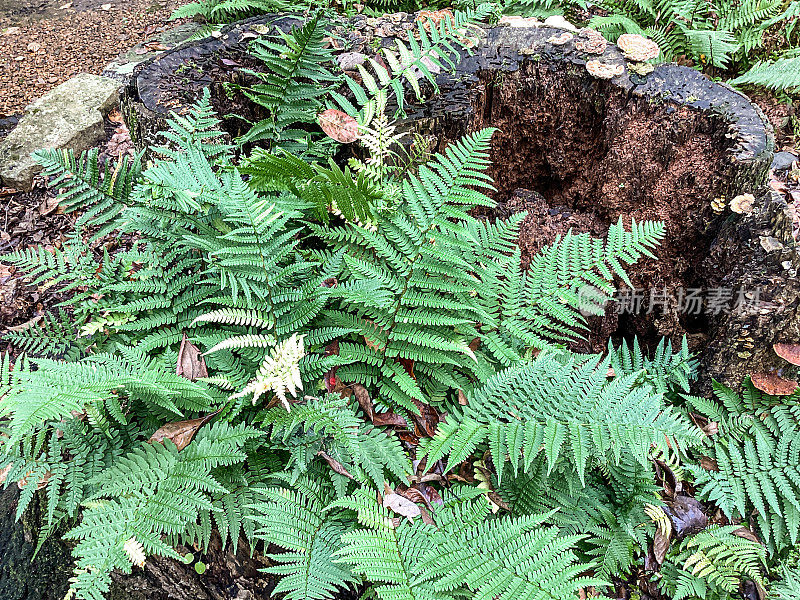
(578, 153)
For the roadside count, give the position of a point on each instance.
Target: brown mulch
(43, 44)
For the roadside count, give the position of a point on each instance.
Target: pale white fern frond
(279, 373)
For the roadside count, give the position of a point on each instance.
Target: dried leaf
(660, 546)
(688, 516)
(462, 398)
(364, 401)
(415, 495)
(426, 517)
(428, 419)
(709, 464)
(26, 325)
(773, 384)
(191, 363)
(335, 464)
(788, 352)
(744, 532)
(180, 433)
(401, 506)
(389, 419)
(338, 125)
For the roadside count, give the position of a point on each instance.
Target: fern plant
(234, 365)
(756, 454)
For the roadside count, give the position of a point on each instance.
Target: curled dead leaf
(335, 464)
(191, 363)
(660, 546)
(338, 125)
(180, 433)
(773, 384)
(788, 352)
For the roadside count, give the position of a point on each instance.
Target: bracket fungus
(591, 42)
(637, 48)
(560, 40)
(604, 70)
(773, 384)
(743, 204)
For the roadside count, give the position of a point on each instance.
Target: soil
(42, 43)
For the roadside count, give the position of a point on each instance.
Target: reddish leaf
(190, 361)
(180, 433)
(389, 419)
(338, 125)
(364, 401)
(428, 419)
(788, 352)
(773, 384)
(408, 365)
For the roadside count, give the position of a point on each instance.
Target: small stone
(560, 22)
(782, 161)
(769, 243)
(69, 116)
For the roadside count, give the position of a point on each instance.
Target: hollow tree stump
(576, 152)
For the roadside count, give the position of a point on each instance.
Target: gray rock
(70, 116)
(782, 161)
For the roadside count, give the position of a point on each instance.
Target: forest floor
(45, 42)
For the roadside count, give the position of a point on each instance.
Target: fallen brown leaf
(660, 546)
(180, 433)
(400, 505)
(334, 464)
(338, 125)
(191, 363)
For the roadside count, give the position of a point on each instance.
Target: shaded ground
(43, 44)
